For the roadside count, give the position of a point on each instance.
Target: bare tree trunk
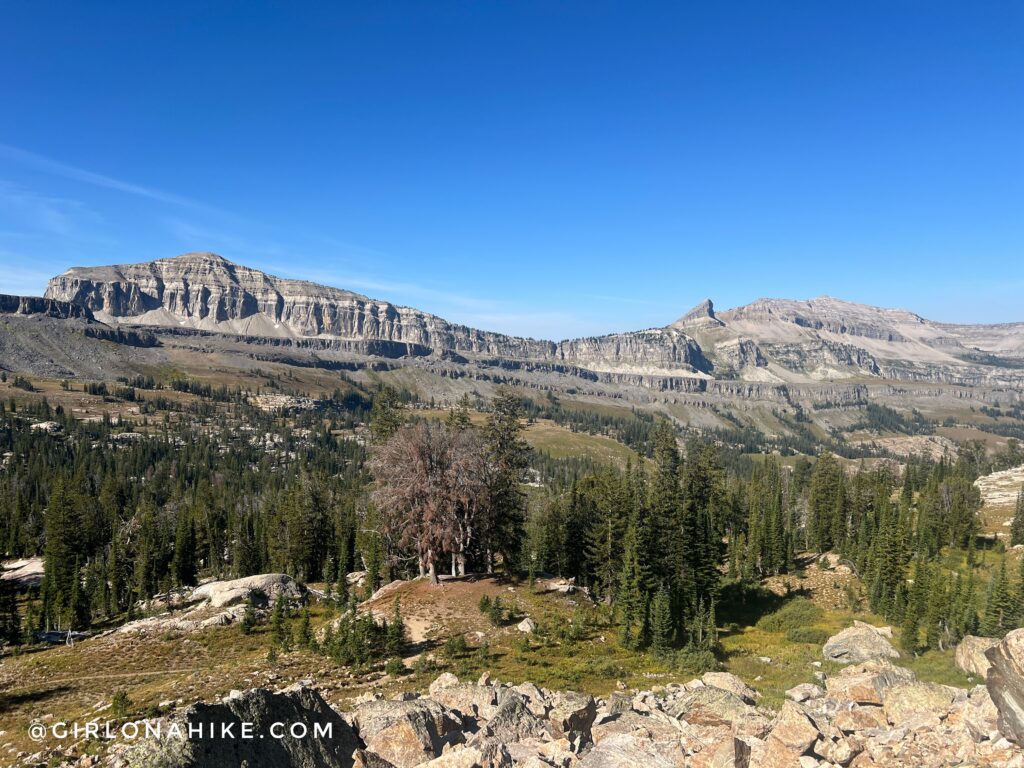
(432, 567)
(455, 570)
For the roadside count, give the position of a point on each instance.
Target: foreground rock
(301, 710)
(1005, 683)
(970, 655)
(873, 714)
(407, 733)
(859, 643)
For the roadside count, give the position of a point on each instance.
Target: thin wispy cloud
(53, 167)
(42, 213)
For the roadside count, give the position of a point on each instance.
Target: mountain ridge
(767, 340)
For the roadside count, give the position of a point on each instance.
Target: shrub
(455, 646)
(485, 604)
(424, 665)
(394, 666)
(120, 704)
(248, 620)
(799, 612)
(811, 635)
(483, 653)
(694, 661)
(496, 612)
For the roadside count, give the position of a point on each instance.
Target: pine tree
(508, 455)
(458, 416)
(1017, 526)
(936, 614)
(661, 621)
(603, 540)
(386, 416)
(279, 625)
(916, 606)
(703, 491)
(185, 567)
(61, 583)
(827, 504)
(395, 637)
(305, 630)
(999, 609)
(631, 603)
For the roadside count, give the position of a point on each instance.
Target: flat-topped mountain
(769, 340)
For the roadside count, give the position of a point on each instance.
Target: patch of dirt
(435, 612)
(826, 580)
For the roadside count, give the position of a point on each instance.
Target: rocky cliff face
(773, 341)
(208, 292)
(35, 305)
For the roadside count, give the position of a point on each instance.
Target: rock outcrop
(235, 591)
(48, 307)
(215, 603)
(859, 643)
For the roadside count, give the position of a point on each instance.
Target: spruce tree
(936, 613)
(61, 587)
(916, 606)
(386, 415)
(1017, 526)
(661, 621)
(997, 619)
(631, 603)
(305, 630)
(508, 454)
(185, 567)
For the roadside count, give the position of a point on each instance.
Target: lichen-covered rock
(572, 713)
(904, 700)
(444, 680)
(708, 706)
(527, 625)
(804, 691)
(970, 655)
(1005, 683)
(479, 701)
(791, 736)
(866, 683)
(634, 749)
(729, 682)
(859, 643)
(406, 733)
(491, 754)
(513, 721)
(860, 718)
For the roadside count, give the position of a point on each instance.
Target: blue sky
(549, 169)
